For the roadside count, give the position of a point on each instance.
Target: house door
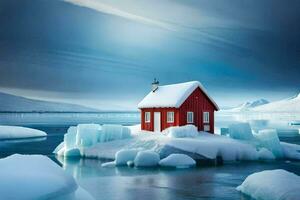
(157, 125)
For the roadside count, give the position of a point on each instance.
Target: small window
(206, 117)
(190, 117)
(147, 116)
(170, 117)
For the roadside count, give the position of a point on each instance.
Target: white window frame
(147, 117)
(205, 117)
(170, 117)
(192, 117)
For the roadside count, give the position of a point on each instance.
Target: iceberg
(146, 159)
(240, 131)
(39, 178)
(87, 134)
(205, 146)
(178, 161)
(70, 137)
(114, 132)
(272, 184)
(268, 139)
(18, 132)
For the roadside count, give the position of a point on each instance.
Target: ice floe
(18, 132)
(264, 145)
(33, 177)
(272, 184)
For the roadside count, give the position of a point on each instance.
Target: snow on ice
(171, 95)
(272, 184)
(32, 177)
(181, 132)
(18, 132)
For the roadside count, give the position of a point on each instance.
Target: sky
(105, 53)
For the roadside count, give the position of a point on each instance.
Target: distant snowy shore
(289, 105)
(106, 143)
(18, 132)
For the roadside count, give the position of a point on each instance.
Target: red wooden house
(177, 105)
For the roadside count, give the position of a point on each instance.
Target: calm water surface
(130, 183)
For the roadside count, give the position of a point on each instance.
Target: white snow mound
(177, 160)
(125, 155)
(18, 132)
(182, 131)
(146, 159)
(272, 184)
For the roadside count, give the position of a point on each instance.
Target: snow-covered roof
(172, 95)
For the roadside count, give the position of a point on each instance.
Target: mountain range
(286, 105)
(12, 103)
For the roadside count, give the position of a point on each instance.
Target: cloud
(108, 9)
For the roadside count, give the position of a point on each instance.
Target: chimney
(155, 85)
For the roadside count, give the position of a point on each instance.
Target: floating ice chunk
(112, 132)
(268, 139)
(265, 154)
(18, 132)
(87, 134)
(182, 131)
(39, 178)
(109, 164)
(241, 131)
(73, 152)
(70, 137)
(177, 160)
(59, 147)
(146, 159)
(272, 184)
(123, 156)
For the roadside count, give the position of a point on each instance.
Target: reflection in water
(142, 183)
(161, 183)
